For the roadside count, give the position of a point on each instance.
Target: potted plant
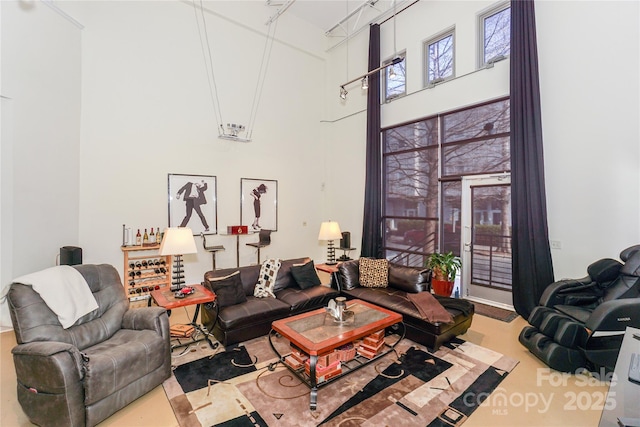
(444, 268)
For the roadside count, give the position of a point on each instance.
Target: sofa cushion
(307, 299)
(374, 273)
(285, 278)
(267, 278)
(408, 279)
(305, 275)
(253, 311)
(349, 274)
(228, 289)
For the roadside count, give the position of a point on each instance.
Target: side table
(332, 269)
(165, 298)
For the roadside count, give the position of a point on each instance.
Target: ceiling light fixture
(365, 83)
(396, 60)
(343, 93)
(392, 73)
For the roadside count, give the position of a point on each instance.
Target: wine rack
(144, 271)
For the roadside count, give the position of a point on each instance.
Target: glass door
(486, 239)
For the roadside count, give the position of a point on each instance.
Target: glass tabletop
(322, 326)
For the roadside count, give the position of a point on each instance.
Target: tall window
(495, 26)
(423, 164)
(440, 58)
(395, 79)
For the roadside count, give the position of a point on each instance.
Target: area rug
(241, 387)
(494, 312)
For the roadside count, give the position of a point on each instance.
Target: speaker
(345, 241)
(70, 255)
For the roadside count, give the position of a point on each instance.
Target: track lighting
(365, 84)
(343, 93)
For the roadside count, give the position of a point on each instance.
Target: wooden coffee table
(316, 333)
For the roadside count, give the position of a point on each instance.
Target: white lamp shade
(178, 241)
(329, 230)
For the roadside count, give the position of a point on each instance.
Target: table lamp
(330, 231)
(178, 241)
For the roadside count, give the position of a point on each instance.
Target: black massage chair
(580, 323)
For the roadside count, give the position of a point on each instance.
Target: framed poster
(193, 203)
(259, 204)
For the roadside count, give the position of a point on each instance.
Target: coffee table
(316, 333)
(165, 298)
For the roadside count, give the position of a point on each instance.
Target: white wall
(588, 55)
(147, 112)
(40, 138)
(589, 77)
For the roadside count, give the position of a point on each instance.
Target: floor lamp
(330, 231)
(178, 241)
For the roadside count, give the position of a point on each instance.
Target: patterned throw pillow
(267, 278)
(374, 273)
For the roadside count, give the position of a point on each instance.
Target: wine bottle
(145, 238)
(152, 237)
(131, 265)
(139, 238)
(144, 263)
(158, 236)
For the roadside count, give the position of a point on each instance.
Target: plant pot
(442, 287)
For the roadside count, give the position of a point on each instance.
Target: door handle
(467, 238)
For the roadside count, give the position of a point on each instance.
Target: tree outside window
(440, 58)
(496, 27)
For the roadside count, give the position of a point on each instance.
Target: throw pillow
(305, 275)
(374, 273)
(228, 289)
(267, 278)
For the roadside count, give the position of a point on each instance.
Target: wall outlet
(555, 244)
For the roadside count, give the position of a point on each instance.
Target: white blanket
(64, 290)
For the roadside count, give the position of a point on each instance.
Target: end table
(165, 298)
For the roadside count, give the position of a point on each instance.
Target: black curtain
(532, 265)
(372, 219)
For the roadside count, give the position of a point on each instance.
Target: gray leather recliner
(81, 375)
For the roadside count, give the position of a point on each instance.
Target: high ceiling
(341, 16)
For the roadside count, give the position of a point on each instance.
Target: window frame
(482, 16)
(383, 80)
(451, 31)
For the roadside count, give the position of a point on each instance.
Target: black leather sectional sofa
(253, 317)
(402, 281)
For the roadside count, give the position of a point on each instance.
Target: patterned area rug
(407, 387)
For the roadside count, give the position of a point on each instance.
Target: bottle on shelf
(145, 238)
(158, 236)
(138, 238)
(152, 237)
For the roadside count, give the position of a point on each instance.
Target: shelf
(138, 287)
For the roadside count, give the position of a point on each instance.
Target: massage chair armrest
(152, 318)
(48, 365)
(555, 293)
(615, 315)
